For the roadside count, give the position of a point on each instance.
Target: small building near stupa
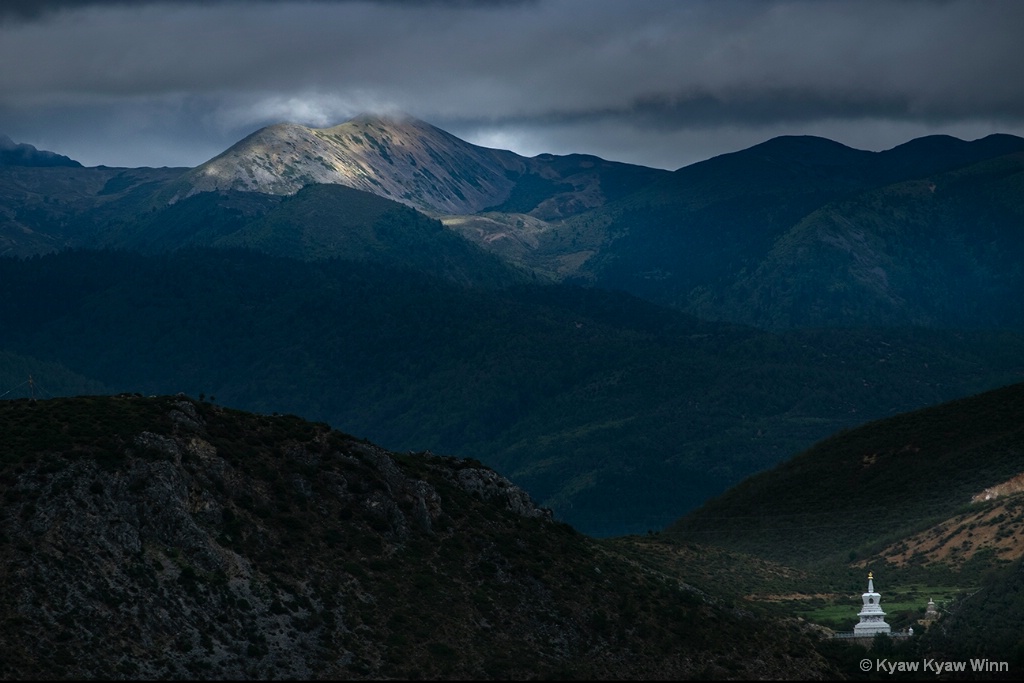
(872, 618)
(931, 614)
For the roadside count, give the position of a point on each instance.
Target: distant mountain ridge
(710, 238)
(939, 251)
(23, 154)
(796, 232)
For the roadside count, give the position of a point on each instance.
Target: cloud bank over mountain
(657, 83)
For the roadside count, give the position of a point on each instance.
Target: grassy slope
(862, 487)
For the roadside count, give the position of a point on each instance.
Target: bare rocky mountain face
(165, 537)
(402, 159)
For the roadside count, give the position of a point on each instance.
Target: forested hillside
(618, 414)
(803, 232)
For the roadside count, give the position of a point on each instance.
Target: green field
(903, 606)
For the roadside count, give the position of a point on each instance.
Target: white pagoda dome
(872, 618)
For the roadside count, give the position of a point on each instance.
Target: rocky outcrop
(1007, 488)
(491, 486)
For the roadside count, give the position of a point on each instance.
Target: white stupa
(872, 618)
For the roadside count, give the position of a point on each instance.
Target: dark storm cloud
(703, 108)
(28, 10)
(25, 10)
(660, 81)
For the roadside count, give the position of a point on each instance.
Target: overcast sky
(657, 82)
